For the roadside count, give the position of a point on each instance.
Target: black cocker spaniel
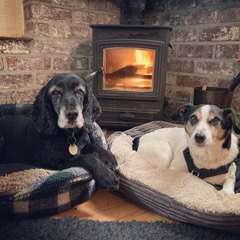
(57, 135)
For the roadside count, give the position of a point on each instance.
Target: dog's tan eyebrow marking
(53, 88)
(212, 115)
(198, 114)
(81, 88)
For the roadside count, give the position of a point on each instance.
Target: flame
(144, 58)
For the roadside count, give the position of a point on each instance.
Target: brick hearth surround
(205, 40)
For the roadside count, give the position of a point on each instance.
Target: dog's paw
(108, 159)
(108, 180)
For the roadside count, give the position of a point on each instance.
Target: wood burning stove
(131, 86)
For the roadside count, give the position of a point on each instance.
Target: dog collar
(203, 172)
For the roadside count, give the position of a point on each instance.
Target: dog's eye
(193, 119)
(56, 92)
(79, 91)
(215, 121)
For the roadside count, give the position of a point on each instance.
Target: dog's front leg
(229, 184)
(105, 156)
(104, 176)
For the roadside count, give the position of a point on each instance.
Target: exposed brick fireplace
(131, 87)
(205, 44)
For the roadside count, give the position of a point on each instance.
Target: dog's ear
(230, 120)
(91, 110)
(183, 112)
(43, 114)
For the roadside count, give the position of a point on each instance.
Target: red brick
(28, 95)
(236, 104)
(171, 79)
(80, 63)
(16, 81)
(231, 15)
(94, 18)
(44, 78)
(180, 66)
(196, 51)
(191, 81)
(85, 4)
(15, 47)
(105, 5)
(51, 47)
(3, 97)
(62, 63)
(227, 33)
(83, 49)
(28, 63)
(218, 68)
(1, 64)
(70, 63)
(70, 32)
(167, 19)
(47, 12)
(107, 19)
(209, 3)
(84, 17)
(38, 29)
(172, 52)
(225, 83)
(184, 35)
(183, 95)
(227, 51)
(201, 17)
(176, 5)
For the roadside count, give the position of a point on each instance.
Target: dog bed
(28, 191)
(174, 194)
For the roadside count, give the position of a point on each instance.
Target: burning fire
(129, 69)
(144, 58)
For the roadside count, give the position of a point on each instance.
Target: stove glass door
(128, 69)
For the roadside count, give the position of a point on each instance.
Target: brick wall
(205, 40)
(61, 42)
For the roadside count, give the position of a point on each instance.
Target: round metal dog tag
(73, 149)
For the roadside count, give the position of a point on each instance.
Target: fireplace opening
(127, 69)
(131, 87)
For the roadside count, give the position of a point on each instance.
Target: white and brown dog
(206, 146)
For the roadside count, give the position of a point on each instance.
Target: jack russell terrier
(206, 146)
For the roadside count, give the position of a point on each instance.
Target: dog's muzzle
(199, 138)
(71, 115)
(71, 118)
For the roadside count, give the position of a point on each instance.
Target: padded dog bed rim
(168, 207)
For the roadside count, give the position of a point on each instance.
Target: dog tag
(73, 149)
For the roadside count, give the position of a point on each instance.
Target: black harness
(203, 172)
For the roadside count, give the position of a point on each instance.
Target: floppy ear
(230, 120)
(183, 112)
(43, 114)
(91, 110)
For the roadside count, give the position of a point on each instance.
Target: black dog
(57, 135)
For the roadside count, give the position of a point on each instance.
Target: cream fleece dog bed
(174, 194)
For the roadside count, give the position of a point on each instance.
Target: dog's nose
(72, 115)
(200, 138)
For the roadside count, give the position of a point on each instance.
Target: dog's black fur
(39, 141)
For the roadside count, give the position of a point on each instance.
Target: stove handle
(127, 117)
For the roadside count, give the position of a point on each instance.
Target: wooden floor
(106, 206)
